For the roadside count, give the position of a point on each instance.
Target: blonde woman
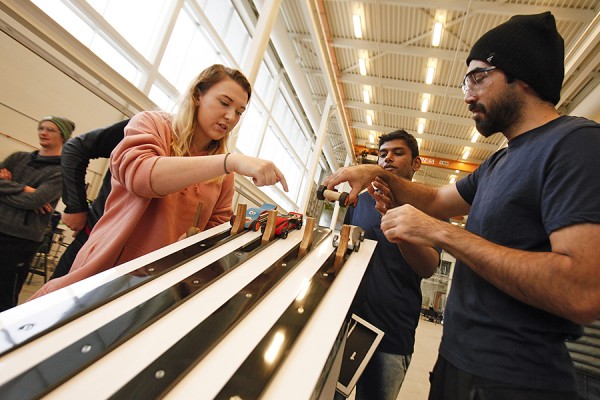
(164, 166)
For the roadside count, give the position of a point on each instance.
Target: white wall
(31, 88)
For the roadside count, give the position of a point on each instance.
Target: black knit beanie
(529, 48)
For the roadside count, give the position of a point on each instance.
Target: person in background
(528, 267)
(164, 167)
(30, 185)
(79, 215)
(389, 295)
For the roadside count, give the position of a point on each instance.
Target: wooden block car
(255, 216)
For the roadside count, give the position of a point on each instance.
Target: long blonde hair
(186, 120)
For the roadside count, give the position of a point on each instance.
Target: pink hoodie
(136, 220)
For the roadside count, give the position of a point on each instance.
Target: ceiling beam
(399, 84)
(400, 49)
(489, 7)
(406, 112)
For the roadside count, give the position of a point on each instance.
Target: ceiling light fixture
(430, 74)
(362, 66)
(466, 153)
(425, 102)
(475, 135)
(438, 27)
(357, 26)
(366, 96)
(369, 120)
(421, 125)
(437, 34)
(371, 138)
(452, 178)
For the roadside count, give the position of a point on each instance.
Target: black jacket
(76, 156)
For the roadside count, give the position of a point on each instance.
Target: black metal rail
(255, 373)
(62, 365)
(36, 325)
(159, 377)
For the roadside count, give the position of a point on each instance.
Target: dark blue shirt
(389, 295)
(544, 180)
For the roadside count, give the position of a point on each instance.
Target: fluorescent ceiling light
(429, 76)
(452, 178)
(357, 26)
(369, 120)
(419, 141)
(371, 138)
(362, 66)
(421, 125)
(475, 136)
(366, 96)
(466, 153)
(425, 102)
(437, 34)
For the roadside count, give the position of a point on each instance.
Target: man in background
(30, 186)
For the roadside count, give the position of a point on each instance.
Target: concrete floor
(427, 341)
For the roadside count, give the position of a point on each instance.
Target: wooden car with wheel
(285, 223)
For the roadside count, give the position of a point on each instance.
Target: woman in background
(164, 167)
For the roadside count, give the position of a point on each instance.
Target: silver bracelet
(225, 163)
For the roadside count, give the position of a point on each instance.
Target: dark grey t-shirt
(389, 295)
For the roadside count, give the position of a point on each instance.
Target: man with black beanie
(527, 269)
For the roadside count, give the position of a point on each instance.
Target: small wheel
(232, 219)
(299, 223)
(356, 246)
(343, 200)
(320, 192)
(284, 234)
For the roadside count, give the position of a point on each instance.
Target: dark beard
(504, 112)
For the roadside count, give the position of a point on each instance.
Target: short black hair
(402, 134)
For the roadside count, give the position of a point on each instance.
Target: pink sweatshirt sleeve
(147, 137)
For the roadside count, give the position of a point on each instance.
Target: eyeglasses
(475, 80)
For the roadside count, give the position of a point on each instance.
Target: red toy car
(285, 223)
